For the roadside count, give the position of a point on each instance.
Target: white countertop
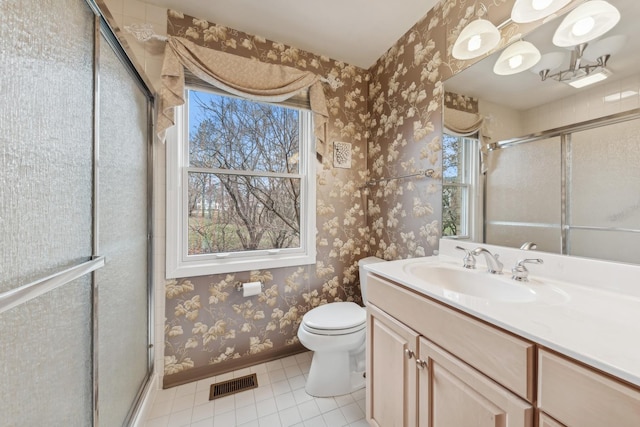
(594, 319)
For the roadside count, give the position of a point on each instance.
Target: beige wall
(585, 105)
(502, 122)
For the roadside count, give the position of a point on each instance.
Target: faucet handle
(528, 246)
(520, 272)
(469, 261)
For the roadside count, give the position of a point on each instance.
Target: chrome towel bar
(22, 294)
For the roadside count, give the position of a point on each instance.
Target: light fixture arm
(602, 61)
(576, 66)
(576, 56)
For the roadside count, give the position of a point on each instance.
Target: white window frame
(470, 214)
(178, 261)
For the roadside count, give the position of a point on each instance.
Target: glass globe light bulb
(515, 61)
(474, 43)
(540, 4)
(583, 26)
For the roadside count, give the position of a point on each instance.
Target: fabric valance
(462, 123)
(248, 78)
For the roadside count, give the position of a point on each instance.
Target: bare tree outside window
(243, 176)
(452, 192)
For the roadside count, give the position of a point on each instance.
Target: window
(240, 186)
(460, 162)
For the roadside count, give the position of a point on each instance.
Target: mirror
(574, 192)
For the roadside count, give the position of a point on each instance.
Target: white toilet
(335, 332)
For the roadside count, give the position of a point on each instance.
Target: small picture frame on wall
(342, 155)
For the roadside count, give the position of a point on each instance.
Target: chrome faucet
(528, 246)
(520, 272)
(494, 266)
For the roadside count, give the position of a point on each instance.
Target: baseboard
(207, 371)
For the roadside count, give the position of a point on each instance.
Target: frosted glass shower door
(46, 149)
(523, 195)
(122, 285)
(604, 193)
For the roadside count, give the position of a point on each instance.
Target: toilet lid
(340, 317)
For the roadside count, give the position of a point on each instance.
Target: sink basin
(475, 283)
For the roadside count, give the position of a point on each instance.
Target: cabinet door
(391, 371)
(462, 396)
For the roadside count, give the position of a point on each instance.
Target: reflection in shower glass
(523, 199)
(604, 194)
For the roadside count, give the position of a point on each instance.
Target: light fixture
(586, 22)
(583, 69)
(518, 57)
(532, 10)
(590, 78)
(476, 39)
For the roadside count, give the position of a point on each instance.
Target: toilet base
(331, 374)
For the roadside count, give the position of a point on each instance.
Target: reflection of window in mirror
(460, 165)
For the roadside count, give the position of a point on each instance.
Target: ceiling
(357, 32)
(525, 90)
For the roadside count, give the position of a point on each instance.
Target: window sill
(235, 265)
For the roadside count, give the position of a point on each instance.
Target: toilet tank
(363, 274)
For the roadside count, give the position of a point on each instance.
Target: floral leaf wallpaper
(391, 115)
(210, 327)
(405, 98)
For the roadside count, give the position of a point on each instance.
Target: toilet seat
(336, 318)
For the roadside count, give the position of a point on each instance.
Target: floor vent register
(236, 385)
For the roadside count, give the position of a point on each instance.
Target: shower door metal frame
(565, 134)
(106, 28)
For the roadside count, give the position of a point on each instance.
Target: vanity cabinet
(432, 366)
(427, 366)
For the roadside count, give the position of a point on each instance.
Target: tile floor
(279, 401)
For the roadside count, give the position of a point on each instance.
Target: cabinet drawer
(577, 396)
(499, 355)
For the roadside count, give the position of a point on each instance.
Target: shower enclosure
(75, 131)
(572, 190)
